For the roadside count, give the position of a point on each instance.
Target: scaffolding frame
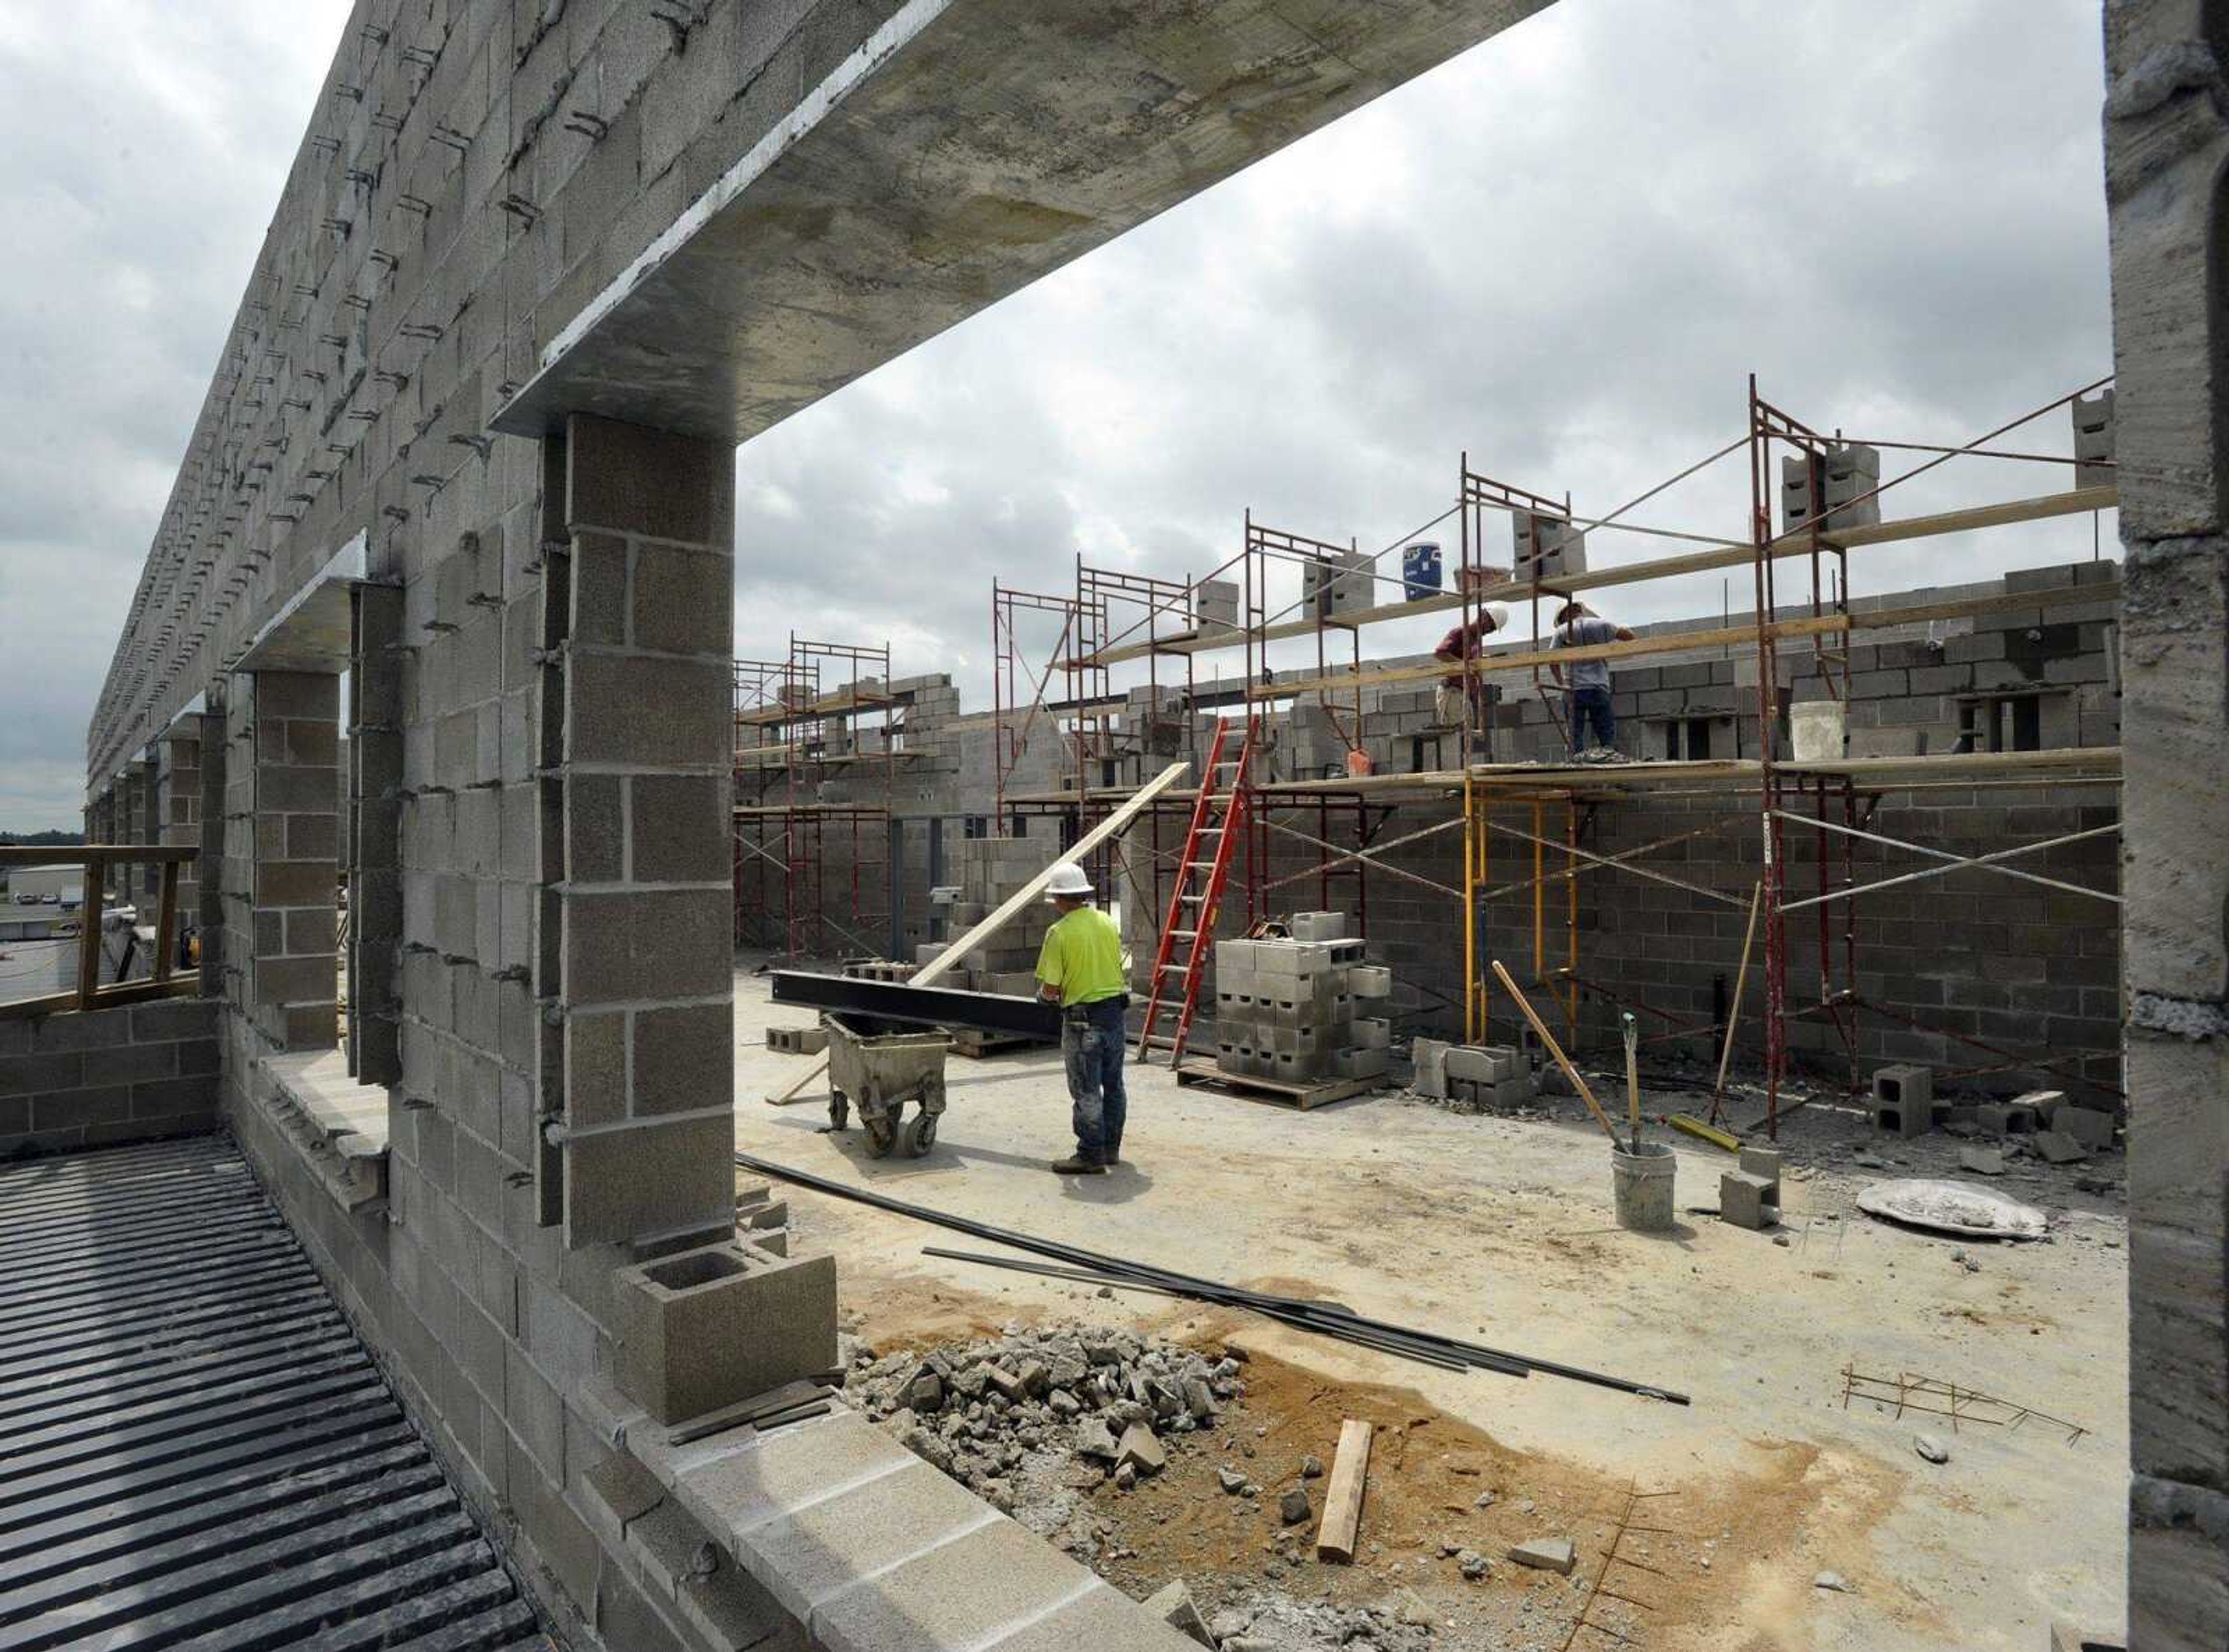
(1834, 802)
(788, 713)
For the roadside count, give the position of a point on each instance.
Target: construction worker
(1578, 626)
(1080, 969)
(1466, 642)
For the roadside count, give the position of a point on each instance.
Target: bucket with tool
(1642, 1173)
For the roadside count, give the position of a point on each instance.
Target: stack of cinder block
(991, 871)
(1300, 1011)
(1478, 1075)
(1339, 584)
(1215, 605)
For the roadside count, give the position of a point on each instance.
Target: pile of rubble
(1042, 1410)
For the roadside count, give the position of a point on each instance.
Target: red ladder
(1219, 819)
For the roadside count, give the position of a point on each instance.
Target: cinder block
(707, 1328)
(1904, 1098)
(1747, 1200)
(1370, 980)
(2005, 1118)
(797, 1040)
(1428, 1057)
(1368, 1034)
(2088, 1126)
(1360, 1063)
(1484, 1063)
(1319, 926)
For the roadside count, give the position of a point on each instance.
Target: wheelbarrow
(879, 1072)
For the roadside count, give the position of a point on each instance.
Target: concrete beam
(969, 147)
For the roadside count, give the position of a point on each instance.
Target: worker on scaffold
(1464, 699)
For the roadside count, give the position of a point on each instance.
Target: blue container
(1419, 571)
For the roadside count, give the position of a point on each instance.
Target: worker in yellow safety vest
(1080, 969)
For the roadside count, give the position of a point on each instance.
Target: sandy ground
(1500, 1231)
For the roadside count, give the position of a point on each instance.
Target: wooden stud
(1342, 1515)
(166, 923)
(89, 936)
(1548, 1039)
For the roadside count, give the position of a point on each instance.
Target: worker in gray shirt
(1578, 626)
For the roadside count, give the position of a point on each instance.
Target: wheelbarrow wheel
(881, 1137)
(840, 1110)
(920, 1135)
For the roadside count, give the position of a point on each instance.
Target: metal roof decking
(195, 1451)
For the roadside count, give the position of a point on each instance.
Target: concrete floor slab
(1500, 1231)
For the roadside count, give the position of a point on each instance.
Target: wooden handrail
(94, 854)
(94, 858)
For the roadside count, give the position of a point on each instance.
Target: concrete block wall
(2167, 158)
(94, 1077)
(475, 172)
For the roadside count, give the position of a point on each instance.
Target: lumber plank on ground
(1342, 1515)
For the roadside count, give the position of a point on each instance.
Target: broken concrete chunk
(2058, 1146)
(1546, 1554)
(1293, 1507)
(1833, 1580)
(1931, 1449)
(1007, 1384)
(1230, 1480)
(1312, 1467)
(1198, 1399)
(1473, 1564)
(926, 1392)
(1982, 1161)
(1093, 1439)
(1173, 1605)
(1035, 1378)
(1141, 1451)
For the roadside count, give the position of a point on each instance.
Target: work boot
(1077, 1165)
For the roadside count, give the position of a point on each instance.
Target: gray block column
(644, 809)
(2167, 142)
(134, 882)
(295, 800)
(375, 781)
(178, 810)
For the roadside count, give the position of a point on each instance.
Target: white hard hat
(1067, 880)
(1498, 613)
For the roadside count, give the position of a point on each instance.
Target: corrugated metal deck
(194, 1449)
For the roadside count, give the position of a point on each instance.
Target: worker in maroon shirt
(1466, 642)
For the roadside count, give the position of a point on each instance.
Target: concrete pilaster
(292, 916)
(2167, 141)
(209, 873)
(375, 779)
(137, 792)
(178, 809)
(644, 973)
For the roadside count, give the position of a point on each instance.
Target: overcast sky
(1564, 251)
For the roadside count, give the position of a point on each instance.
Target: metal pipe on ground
(1322, 1318)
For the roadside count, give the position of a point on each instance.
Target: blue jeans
(1590, 707)
(1092, 1051)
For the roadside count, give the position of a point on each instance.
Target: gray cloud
(142, 150)
(1563, 251)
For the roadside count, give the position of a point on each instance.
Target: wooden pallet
(974, 1043)
(1275, 1091)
